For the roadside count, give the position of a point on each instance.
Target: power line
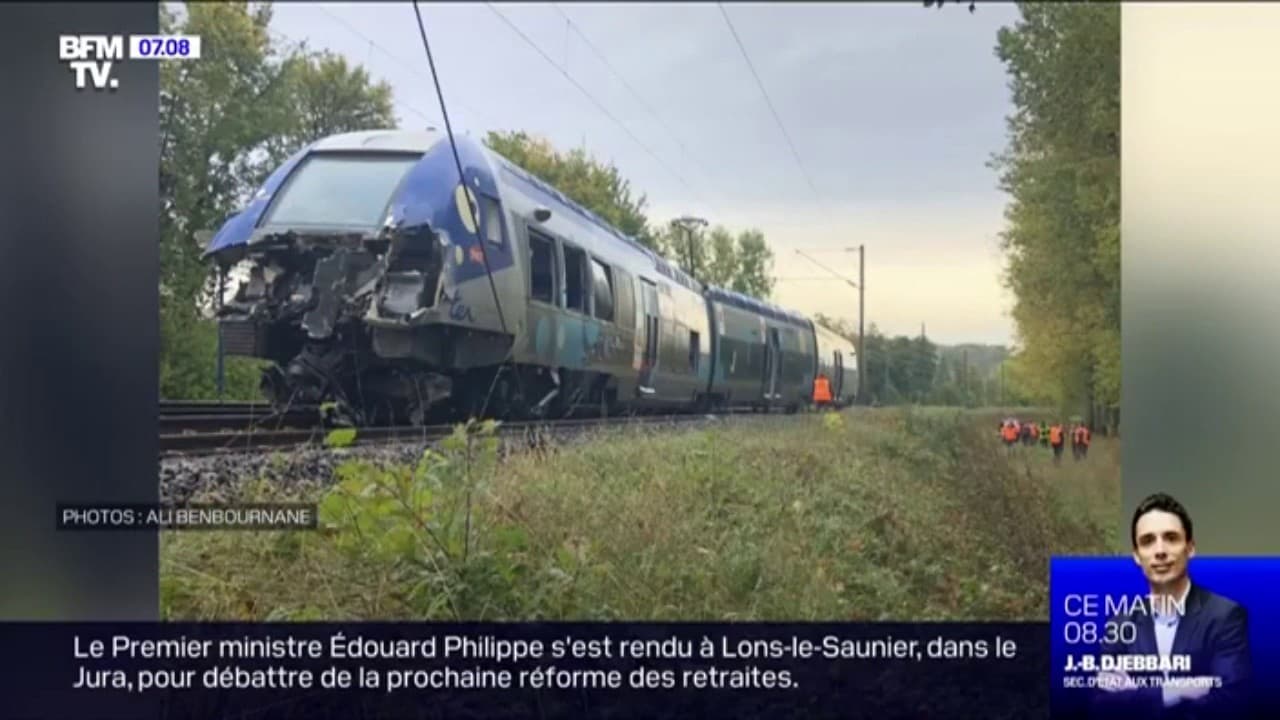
(593, 100)
(471, 206)
(301, 46)
(403, 63)
(649, 108)
(767, 101)
(805, 278)
(462, 178)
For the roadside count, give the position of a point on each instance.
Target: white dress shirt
(1166, 619)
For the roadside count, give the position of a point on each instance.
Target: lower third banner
(313, 670)
(1123, 647)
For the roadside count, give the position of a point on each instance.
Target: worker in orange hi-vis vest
(1057, 437)
(1085, 437)
(1010, 435)
(821, 391)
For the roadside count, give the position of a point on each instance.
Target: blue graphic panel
(1087, 595)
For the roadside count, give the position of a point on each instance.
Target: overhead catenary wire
(457, 161)
(804, 278)
(634, 93)
(462, 179)
(301, 46)
(399, 60)
(599, 106)
(777, 118)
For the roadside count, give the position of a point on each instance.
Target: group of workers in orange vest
(1053, 436)
(1011, 431)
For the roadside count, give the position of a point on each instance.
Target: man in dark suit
(1179, 618)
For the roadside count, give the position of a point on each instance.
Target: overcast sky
(894, 111)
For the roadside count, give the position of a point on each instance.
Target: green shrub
(868, 514)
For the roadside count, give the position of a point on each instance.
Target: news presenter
(1213, 630)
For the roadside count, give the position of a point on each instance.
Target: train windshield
(339, 191)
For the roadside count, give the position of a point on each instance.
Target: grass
(872, 514)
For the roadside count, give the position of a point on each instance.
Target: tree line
(1061, 169)
(740, 262)
(904, 370)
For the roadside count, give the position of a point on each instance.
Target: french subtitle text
(120, 662)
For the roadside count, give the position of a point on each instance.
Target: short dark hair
(1162, 502)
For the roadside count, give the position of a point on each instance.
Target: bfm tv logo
(91, 58)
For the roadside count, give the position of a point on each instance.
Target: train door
(780, 363)
(649, 310)
(837, 382)
(772, 363)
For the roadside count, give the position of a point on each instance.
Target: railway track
(186, 418)
(195, 429)
(209, 407)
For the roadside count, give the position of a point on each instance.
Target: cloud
(893, 110)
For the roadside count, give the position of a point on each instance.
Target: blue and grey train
(378, 283)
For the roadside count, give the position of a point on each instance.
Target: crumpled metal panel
(329, 286)
(402, 293)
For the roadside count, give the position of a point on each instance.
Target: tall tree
(1062, 171)
(923, 367)
(725, 261)
(689, 248)
(596, 185)
(742, 263)
(326, 97)
(899, 353)
(1020, 384)
(876, 366)
(755, 263)
(914, 369)
(212, 114)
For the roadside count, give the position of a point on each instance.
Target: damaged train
(380, 285)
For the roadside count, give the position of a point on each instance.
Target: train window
(575, 276)
(695, 351)
(602, 289)
(348, 190)
(541, 268)
(492, 219)
(624, 309)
